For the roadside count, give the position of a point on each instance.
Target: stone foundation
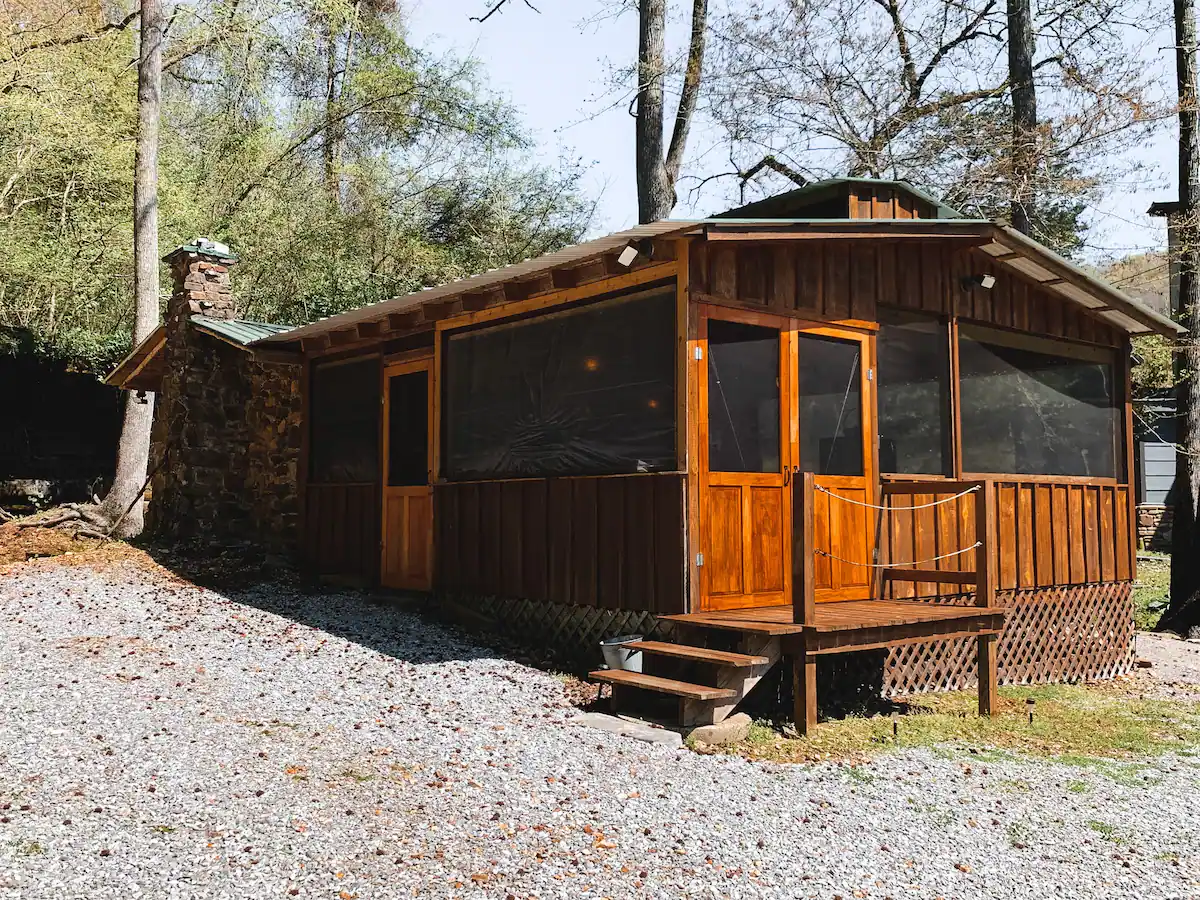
(1154, 527)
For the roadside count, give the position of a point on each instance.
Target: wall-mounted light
(626, 257)
(141, 397)
(634, 249)
(987, 282)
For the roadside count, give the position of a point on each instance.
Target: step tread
(699, 654)
(662, 685)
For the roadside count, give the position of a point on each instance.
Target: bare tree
(920, 90)
(1184, 612)
(1023, 156)
(123, 505)
(657, 174)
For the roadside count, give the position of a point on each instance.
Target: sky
(554, 64)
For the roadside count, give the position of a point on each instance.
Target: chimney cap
(203, 247)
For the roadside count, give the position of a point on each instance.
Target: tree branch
(499, 5)
(690, 91)
(80, 38)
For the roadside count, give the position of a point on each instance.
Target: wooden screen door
(407, 496)
(835, 427)
(744, 444)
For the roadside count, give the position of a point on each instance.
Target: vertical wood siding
(341, 531)
(613, 543)
(848, 279)
(1048, 534)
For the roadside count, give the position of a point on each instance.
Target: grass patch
(1151, 592)
(1078, 787)
(1077, 724)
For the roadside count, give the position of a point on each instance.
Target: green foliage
(341, 164)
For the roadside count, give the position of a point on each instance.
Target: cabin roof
(1004, 244)
(141, 369)
(781, 204)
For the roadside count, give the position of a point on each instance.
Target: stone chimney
(200, 282)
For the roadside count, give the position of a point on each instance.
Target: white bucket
(618, 654)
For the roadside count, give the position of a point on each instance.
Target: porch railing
(934, 494)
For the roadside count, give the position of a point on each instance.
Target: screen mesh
(589, 391)
(343, 443)
(1030, 413)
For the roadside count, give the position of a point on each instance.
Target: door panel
(723, 561)
(745, 504)
(835, 426)
(766, 533)
(407, 559)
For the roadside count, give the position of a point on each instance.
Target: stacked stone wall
(227, 429)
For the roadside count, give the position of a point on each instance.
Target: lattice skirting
(1052, 635)
(570, 634)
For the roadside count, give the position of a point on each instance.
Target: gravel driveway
(167, 741)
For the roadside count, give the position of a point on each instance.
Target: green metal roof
(828, 187)
(238, 331)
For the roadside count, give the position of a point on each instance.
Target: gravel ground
(167, 741)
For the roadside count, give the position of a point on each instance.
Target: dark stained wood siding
(848, 279)
(612, 542)
(1048, 533)
(341, 531)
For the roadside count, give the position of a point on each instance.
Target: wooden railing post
(804, 611)
(985, 591)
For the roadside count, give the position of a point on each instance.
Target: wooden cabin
(839, 419)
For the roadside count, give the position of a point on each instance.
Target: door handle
(787, 475)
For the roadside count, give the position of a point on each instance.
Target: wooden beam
(931, 576)
(987, 674)
(514, 291)
(804, 691)
(368, 330)
(342, 337)
(315, 344)
(404, 321)
(476, 301)
(561, 279)
(804, 609)
(437, 309)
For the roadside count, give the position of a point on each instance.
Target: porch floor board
(844, 615)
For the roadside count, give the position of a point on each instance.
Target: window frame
(312, 423)
(1061, 347)
(951, 449)
(1022, 340)
(492, 320)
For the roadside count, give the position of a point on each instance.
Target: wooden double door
(407, 561)
(780, 396)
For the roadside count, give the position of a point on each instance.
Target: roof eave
(1119, 302)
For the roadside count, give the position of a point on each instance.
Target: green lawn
(1150, 592)
(1070, 722)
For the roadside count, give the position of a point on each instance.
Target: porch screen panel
(914, 394)
(743, 397)
(830, 402)
(1032, 412)
(343, 446)
(588, 391)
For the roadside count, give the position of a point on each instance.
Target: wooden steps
(726, 676)
(662, 685)
(700, 654)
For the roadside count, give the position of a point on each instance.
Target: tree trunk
(656, 196)
(1185, 540)
(1024, 110)
(133, 449)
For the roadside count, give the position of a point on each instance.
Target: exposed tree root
(83, 519)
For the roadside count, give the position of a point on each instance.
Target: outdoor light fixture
(987, 282)
(141, 397)
(1029, 704)
(634, 249)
